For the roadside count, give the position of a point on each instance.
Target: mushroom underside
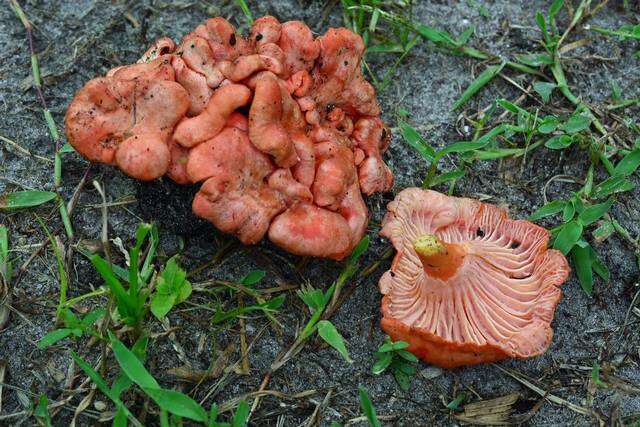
(468, 285)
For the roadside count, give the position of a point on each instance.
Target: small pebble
(431, 372)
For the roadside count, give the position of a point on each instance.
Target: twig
(263, 386)
(104, 235)
(23, 150)
(550, 397)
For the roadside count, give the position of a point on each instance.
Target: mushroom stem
(439, 259)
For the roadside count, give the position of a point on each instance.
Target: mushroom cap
(280, 129)
(497, 303)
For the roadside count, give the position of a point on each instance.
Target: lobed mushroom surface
(279, 127)
(468, 285)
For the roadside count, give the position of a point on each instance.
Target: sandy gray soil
(77, 40)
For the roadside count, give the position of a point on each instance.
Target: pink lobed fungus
(281, 129)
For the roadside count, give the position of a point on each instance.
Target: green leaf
(582, 265)
(406, 368)
(131, 365)
(548, 124)
(42, 411)
(90, 318)
(245, 10)
(465, 36)
(410, 357)
(161, 304)
(629, 164)
(435, 35)
(123, 382)
(213, 415)
(172, 288)
(367, 408)
(360, 249)
(455, 403)
(313, 298)
(595, 212)
(595, 375)
(463, 147)
(485, 77)
(604, 231)
(569, 211)
(542, 24)
(385, 48)
(559, 142)
(147, 266)
(402, 378)
(241, 416)
(569, 235)
(400, 345)
(382, 363)
(25, 199)
(493, 154)
(4, 244)
(448, 176)
(54, 336)
(120, 419)
(612, 185)
(555, 8)
(177, 403)
(386, 347)
(415, 140)
(576, 123)
(544, 89)
(330, 334)
(535, 60)
(375, 16)
(170, 400)
(597, 265)
(550, 208)
(510, 106)
(125, 306)
(66, 148)
(253, 277)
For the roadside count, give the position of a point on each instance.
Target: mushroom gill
(468, 285)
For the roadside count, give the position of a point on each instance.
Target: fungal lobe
(280, 129)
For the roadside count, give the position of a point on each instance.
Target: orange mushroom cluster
(468, 285)
(281, 129)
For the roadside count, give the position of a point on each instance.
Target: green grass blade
(26, 199)
(485, 77)
(241, 417)
(330, 334)
(122, 297)
(177, 403)
(568, 236)
(367, 408)
(131, 365)
(629, 164)
(582, 263)
(245, 10)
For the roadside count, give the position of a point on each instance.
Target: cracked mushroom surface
(280, 127)
(468, 285)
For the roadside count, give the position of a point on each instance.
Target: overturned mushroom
(281, 129)
(468, 285)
